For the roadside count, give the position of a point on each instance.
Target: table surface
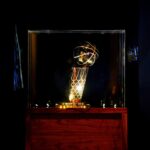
(44, 110)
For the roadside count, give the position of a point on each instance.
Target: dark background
(128, 15)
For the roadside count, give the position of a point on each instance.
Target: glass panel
(51, 60)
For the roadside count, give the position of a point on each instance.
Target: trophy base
(65, 105)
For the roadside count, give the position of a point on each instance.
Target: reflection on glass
(133, 54)
(54, 55)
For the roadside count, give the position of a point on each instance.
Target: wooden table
(76, 129)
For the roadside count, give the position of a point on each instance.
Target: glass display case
(76, 68)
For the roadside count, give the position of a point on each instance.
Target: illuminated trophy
(84, 55)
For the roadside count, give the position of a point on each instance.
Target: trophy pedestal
(65, 105)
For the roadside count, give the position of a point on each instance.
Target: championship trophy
(84, 56)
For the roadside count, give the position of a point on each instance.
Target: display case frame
(117, 74)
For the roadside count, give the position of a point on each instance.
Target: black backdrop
(132, 16)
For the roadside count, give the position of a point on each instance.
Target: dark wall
(144, 70)
(107, 15)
